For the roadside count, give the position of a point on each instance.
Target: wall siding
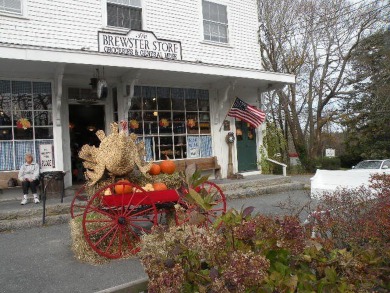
(74, 24)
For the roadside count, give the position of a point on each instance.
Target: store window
(215, 22)
(173, 122)
(11, 6)
(25, 120)
(124, 13)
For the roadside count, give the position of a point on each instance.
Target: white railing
(280, 164)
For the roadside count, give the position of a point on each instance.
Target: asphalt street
(40, 259)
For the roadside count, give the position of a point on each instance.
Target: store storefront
(173, 84)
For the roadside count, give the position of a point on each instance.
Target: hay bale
(83, 252)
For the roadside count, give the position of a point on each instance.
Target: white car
(373, 164)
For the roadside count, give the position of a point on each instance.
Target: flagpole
(227, 113)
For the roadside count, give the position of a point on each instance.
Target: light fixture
(155, 113)
(91, 128)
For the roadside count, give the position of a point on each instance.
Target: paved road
(40, 259)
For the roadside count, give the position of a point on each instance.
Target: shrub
(328, 163)
(245, 253)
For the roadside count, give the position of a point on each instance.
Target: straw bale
(83, 252)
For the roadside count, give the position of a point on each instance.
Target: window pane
(5, 103)
(213, 12)
(112, 15)
(206, 10)
(214, 32)
(5, 133)
(207, 30)
(6, 156)
(177, 99)
(222, 14)
(136, 103)
(163, 98)
(43, 118)
(149, 98)
(12, 6)
(43, 132)
(21, 148)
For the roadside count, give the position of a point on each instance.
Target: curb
(137, 286)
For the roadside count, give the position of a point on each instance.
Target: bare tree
(313, 39)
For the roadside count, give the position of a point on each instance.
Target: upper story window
(11, 6)
(124, 13)
(215, 22)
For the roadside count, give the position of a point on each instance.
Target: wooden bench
(5, 176)
(203, 164)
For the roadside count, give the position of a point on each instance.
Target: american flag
(247, 113)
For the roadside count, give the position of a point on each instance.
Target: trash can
(52, 184)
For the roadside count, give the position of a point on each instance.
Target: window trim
(117, 28)
(202, 19)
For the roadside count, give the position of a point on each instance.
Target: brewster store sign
(139, 43)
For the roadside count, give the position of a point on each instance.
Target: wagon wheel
(78, 203)
(113, 224)
(209, 216)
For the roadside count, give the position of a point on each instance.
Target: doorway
(84, 121)
(246, 147)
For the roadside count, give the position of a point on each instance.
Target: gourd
(123, 186)
(159, 186)
(167, 167)
(155, 169)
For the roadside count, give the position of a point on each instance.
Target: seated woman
(29, 176)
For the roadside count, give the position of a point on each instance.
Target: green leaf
(198, 200)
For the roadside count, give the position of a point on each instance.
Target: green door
(246, 147)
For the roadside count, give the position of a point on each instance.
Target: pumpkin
(167, 167)
(159, 186)
(155, 169)
(123, 186)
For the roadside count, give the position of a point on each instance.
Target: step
(262, 190)
(25, 212)
(17, 224)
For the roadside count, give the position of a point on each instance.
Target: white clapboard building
(172, 69)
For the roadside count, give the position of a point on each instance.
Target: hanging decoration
(23, 123)
(191, 123)
(134, 124)
(164, 122)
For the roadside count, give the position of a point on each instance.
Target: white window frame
(22, 14)
(34, 140)
(218, 2)
(130, 3)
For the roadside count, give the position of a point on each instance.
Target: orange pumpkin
(159, 186)
(155, 169)
(167, 167)
(123, 186)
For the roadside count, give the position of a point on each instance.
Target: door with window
(246, 147)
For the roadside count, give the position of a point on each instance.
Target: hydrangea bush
(345, 248)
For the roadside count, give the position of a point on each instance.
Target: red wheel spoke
(140, 213)
(99, 229)
(105, 236)
(79, 206)
(131, 231)
(112, 240)
(101, 211)
(99, 221)
(134, 207)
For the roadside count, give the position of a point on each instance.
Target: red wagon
(114, 223)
